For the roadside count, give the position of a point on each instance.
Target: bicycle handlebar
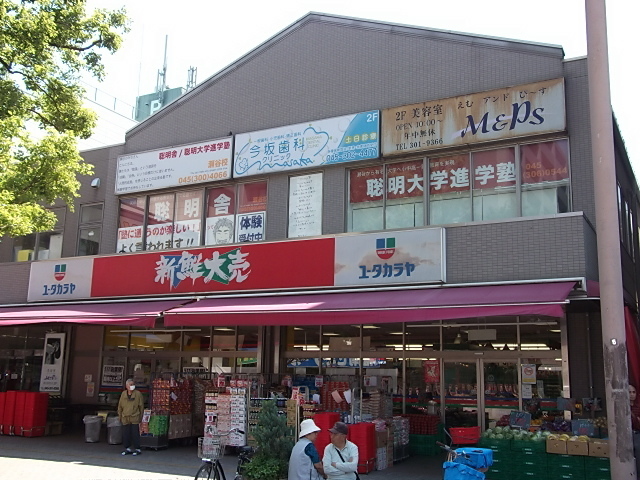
(448, 449)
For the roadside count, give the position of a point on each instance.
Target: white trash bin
(92, 426)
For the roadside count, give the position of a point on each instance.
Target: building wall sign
(322, 142)
(174, 166)
(388, 257)
(62, 279)
(479, 117)
(278, 265)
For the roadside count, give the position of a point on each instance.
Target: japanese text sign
(479, 117)
(63, 279)
(169, 167)
(312, 144)
(404, 180)
(390, 257)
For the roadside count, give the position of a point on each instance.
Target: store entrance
(480, 392)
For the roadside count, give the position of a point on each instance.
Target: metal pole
(609, 259)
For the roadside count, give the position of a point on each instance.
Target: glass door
(500, 392)
(461, 393)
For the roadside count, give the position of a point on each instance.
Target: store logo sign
(385, 247)
(60, 271)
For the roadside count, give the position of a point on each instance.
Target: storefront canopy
(141, 314)
(377, 307)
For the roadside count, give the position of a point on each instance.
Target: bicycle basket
(211, 448)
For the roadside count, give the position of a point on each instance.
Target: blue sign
(324, 142)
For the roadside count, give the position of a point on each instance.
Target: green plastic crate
(566, 461)
(536, 447)
(495, 444)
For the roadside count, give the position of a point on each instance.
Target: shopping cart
(466, 463)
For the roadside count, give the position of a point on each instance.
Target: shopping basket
(464, 435)
(212, 448)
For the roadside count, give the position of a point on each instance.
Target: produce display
(508, 433)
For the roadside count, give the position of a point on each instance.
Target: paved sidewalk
(67, 456)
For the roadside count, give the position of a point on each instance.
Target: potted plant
(274, 441)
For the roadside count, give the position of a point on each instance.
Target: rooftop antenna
(161, 83)
(192, 78)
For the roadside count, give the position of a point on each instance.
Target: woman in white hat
(305, 462)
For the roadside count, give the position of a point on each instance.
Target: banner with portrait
(52, 363)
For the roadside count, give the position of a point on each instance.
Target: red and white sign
(404, 180)
(431, 371)
(239, 267)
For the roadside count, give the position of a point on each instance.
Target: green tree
(274, 441)
(45, 46)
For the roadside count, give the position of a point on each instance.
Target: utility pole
(614, 342)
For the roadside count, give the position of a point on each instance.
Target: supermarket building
(417, 215)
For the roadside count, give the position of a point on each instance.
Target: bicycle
(466, 462)
(210, 449)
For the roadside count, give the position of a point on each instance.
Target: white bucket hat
(308, 426)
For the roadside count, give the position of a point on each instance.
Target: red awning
(141, 314)
(377, 307)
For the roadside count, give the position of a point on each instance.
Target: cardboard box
(599, 448)
(575, 447)
(381, 439)
(557, 446)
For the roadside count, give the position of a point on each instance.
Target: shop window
(337, 338)
(221, 209)
(236, 213)
(90, 229)
(160, 215)
(386, 197)
(130, 224)
(41, 245)
(224, 339)
(449, 190)
(494, 184)
(188, 219)
(247, 338)
(536, 335)
(305, 205)
(155, 341)
(498, 334)
(116, 338)
(304, 339)
(196, 339)
(252, 212)
(544, 170)
(422, 337)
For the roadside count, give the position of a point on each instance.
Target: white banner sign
(174, 166)
(113, 376)
(479, 117)
(62, 279)
(390, 257)
(129, 240)
(312, 144)
(305, 205)
(219, 230)
(52, 363)
(250, 227)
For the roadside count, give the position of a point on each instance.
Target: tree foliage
(45, 46)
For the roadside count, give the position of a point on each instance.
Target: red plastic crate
(18, 414)
(35, 414)
(364, 436)
(464, 435)
(368, 466)
(9, 411)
